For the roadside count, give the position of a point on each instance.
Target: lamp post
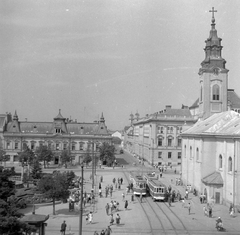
(81, 204)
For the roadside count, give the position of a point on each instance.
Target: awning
(214, 178)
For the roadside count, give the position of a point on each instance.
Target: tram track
(170, 221)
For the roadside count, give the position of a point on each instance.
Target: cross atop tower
(213, 12)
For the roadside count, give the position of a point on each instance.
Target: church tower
(213, 76)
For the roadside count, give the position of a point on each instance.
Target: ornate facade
(59, 134)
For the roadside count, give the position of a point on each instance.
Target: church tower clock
(213, 76)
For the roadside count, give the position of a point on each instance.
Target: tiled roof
(178, 112)
(195, 104)
(214, 178)
(233, 98)
(225, 123)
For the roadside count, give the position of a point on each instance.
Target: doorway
(217, 198)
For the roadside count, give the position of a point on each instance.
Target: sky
(114, 57)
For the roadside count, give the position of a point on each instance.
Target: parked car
(121, 151)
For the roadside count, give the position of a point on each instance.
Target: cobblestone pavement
(134, 220)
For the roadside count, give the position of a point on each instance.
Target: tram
(156, 188)
(139, 183)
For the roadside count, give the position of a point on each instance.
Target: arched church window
(229, 164)
(220, 161)
(215, 92)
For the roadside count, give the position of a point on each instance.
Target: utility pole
(81, 204)
(93, 162)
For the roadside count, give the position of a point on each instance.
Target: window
(64, 146)
(81, 146)
(40, 144)
(58, 130)
(169, 154)
(215, 92)
(220, 161)
(73, 146)
(8, 145)
(57, 146)
(24, 146)
(169, 141)
(160, 141)
(229, 164)
(197, 154)
(159, 154)
(32, 145)
(160, 129)
(179, 155)
(170, 129)
(16, 145)
(179, 142)
(49, 145)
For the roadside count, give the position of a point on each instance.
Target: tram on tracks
(139, 183)
(155, 188)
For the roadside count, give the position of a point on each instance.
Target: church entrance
(217, 198)
(56, 160)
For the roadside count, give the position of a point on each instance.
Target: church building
(211, 147)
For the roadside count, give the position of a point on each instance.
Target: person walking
(63, 227)
(126, 205)
(90, 217)
(123, 196)
(107, 208)
(118, 219)
(111, 219)
(102, 232)
(108, 231)
(189, 208)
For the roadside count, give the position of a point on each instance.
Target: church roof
(232, 98)
(214, 178)
(225, 123)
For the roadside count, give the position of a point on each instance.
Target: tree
(44, 154)
(36, 170)
(65, 157)
(87, 158)
(70, 176)
(54, 186)
(3, 157)
(9, 215)
(26, 156)
(107, 153)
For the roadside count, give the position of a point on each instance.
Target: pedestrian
(114, 180)
(121, 180)
(232, 212)
(101, 179)
(186, 194)
(183, 202)
(63, 228)
(107, 208)
(118, 219)
(189, 208)
(108, 231)
(87, 217)
(111, 219)
(126, 205)
(132, 197)
(123, 196)
(90, 217)
(102, 232)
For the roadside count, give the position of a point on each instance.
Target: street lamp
(81, 204)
